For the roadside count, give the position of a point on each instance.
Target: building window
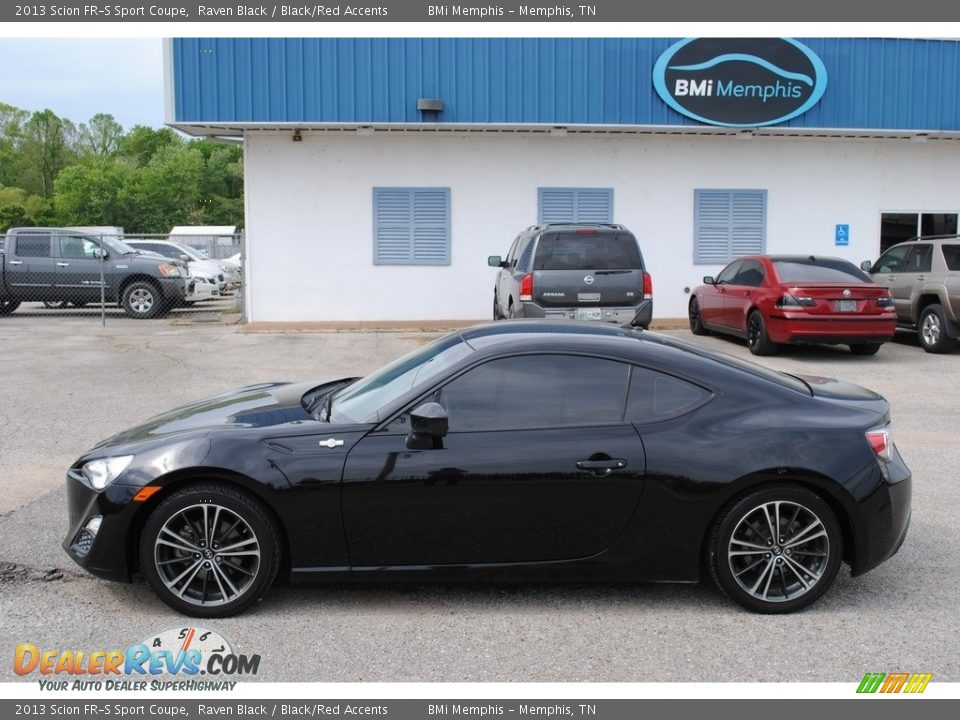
(411, 226)
(575, 205)
(728, 224)
(897, 227)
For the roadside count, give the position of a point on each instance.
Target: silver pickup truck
(57, 265)
(923, 275)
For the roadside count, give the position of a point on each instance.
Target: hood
(143, 259)
(253, 406)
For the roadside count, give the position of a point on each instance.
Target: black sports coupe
(520, 450)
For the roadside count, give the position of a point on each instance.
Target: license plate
(589, 314)
(846, 305)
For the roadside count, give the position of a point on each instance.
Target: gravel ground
(66, 383)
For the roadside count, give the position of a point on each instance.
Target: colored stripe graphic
(894, 682)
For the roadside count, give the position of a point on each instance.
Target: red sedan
(773, 299)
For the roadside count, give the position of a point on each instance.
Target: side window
(891, 260)
(33, 246)
(75, 248)
(750, 274)
(728, 273)
(951, 256)
(655, 396)
(524, 264)
(918, 259)
(536, 391)
(512, 255)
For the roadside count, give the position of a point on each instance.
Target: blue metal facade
(872, 83)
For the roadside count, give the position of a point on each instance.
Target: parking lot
(67, 383)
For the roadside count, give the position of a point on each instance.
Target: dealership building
(381, 173)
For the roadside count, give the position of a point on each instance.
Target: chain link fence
(101, 276)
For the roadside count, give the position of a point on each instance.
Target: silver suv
(577, 271)
(923, 275)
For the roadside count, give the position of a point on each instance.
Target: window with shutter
(575, 205)
(728, 224)
(411, 226)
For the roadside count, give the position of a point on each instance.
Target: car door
(538, 465)
(713, 299)
(31, 272)
(887, 272)
(913, 273)
(742, 293)
(79, 271)
(507, 280)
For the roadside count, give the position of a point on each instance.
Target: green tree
(165, 192)
(12, 210)
(44, 151)
(142, 143)
(11, 133)
(89, 193)
(102, 135)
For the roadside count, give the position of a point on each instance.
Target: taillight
(886, 302)
(526, 288)
(795, 301)
(647, 286)
(881, 443)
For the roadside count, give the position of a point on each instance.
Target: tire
(195, 579)
(497, 315)
(142, 300)
(55, 304)
(696, 322)
(758, 341)
(79, 304)
(511, 312)
(865, 348)
(932, 330)
(791, 575)
(8, 306)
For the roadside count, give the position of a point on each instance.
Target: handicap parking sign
(842, 236)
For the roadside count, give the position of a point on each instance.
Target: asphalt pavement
(66, 383)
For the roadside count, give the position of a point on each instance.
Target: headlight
(170, 271)
(104, 471)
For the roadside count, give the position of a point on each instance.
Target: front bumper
(174, 289)
(640, 314)
(106, 554)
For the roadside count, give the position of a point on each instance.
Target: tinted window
(655, 396)
(951, 256)
(526, 255)
(33, 246)
(726, 275)
(750, 274)
(582, 251)
(76, 248)
(918, 259)
(536, 391)
(891, 260)
(818, 270)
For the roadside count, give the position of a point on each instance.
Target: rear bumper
(797, 328)
(639, 314)
(885, 516)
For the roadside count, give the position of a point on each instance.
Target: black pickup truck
(59, 265)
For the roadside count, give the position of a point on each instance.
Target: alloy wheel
(930, 329)
(141, 300)
(207, 555)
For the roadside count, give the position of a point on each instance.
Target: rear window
(577, 251)
(951, 256)
(819, 270)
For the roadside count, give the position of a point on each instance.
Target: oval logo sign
(740, 82)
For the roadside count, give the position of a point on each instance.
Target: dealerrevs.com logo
(187, 652)
(740, 82)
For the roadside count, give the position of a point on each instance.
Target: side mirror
(185, 258)
(100, 254)
(866, 265)
(709, 280)
(428, 426)
(495, 261)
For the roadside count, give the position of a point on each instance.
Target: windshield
(362, 401)
(815, 269)
(117, 246)
(189, 251)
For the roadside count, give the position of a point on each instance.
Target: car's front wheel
(142, 300)
(696, 322)
(933, 330)
(209, 550)
(776, 549)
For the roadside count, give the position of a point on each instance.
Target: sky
(78, 78)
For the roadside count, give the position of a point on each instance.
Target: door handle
(63, 264)
(16, 262)
(600, 468)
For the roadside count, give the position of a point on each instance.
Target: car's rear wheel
(8, 306)
(758, 341)
(54, 304)
(696, 322)
(933, 330)
(209, 550)
(776, 549)
(865, 348)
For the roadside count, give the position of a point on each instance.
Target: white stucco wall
(309, 208)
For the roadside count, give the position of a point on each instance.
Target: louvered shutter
(411, 226)
(728, 224)
(569, 205)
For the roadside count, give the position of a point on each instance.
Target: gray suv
(578, 271)
(923, 275)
